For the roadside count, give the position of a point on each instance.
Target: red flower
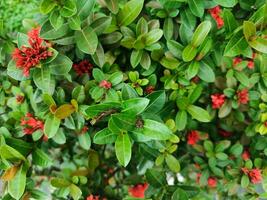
(215, 13)
(242, 96)
(212, 182)
(251, 64)
(255, 176)
(217, 100)
(245, 170)
(195, 79)
(83, 67)
(224, 133)
(237, 60)
(192, 137)
(92, 197)
(45, 138)
(31, 124)
(28, 57)
(246, 155)
(149, 89)
(138, 191)
(105, 84)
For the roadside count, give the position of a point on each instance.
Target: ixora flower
(138, 191)
(242, 96)
(217, 100)
(193, 137)
(149, 89)
(29, 57)
(253, 174)
(31, 124)
(105, 84)
(212, 182)
(246, 155)
(215, 13)
(83, 67)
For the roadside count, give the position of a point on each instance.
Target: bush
(155, 99)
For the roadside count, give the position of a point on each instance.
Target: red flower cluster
(19, 99)
(149, 89)
(215, 13)
(105, 84)
(212, 182)
(28, 57)
(83, 67)
(217, 100)
(30, 124)
(138, 191)
(92, 197)
(254, 175)
(250, 64)
(246, 155)
(192, 137)
(242, 96)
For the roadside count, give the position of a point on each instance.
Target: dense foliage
(135, 99)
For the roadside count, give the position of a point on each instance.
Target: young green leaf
(123, 149)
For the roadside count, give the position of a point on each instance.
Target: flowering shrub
(134, 99)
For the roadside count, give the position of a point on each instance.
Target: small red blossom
(245, 170)
(251, 64)
(138, 191)
(212, 182)
(105, 84)
(242, 96)
(246, 155)
(217, 100)
(265, 123)
(83, 67)
(84, 129)
(195, 79)
(197, 166)
(237, 60)
(19, 99)
(45, 138)
(255, 176)
(31, 124)
(92, 197)
(193, 137)
(149, 89)
(28, 57)
(224, 133)
(215, 13)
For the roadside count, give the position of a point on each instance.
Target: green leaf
(116, 78)
(169, 62)
(61, 65)
(49, 33)
(94, 110)
(75, 22)
(39, 157)
(226, 3)
(196, 7)
(242, 78)
(206, 73)
(236, 44)
(75, 192)
(85, 7)
(260, 44)
(99, 56)
(189, 53)
(86, 40)
(124, 121)
(156, 130)
(230, 23)
(179, 194)
(93, 160)
(22, 40)
(168, 28)
(201, 33)
(16, 186)
(181, 120)
(193, 69)
(56, 19)
(101, 24)
(84, 140)
(15, 72)
(105, 136)
(249, 30)
(145, 60)
(141, 27)
(195, 94)
(9, 153)
(198, 113)
(222, 145)
(112, 5)
(236, 149)
(156, 178)
(123, 149)
(78, 93)
(244, 181)
(129, 12)
(172, 163)
(208, 146)
(128, 92)
(225, 109)
(47, 6)
(157, 101)
(136, 56)
(135, 106)
(60, 183)
(68, 9)
(43, 80)
(51, 126)
(221, 156)
(153, 36)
